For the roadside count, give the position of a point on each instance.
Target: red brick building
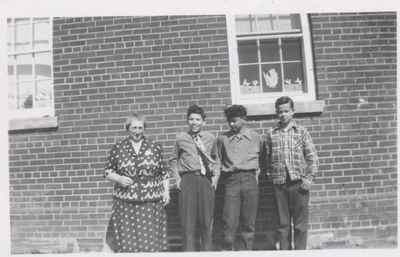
(339, 67)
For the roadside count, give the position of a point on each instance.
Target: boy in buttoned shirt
(197, 174)
(292, 163)
(239, 151)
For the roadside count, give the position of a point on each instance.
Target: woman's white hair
(135, 116)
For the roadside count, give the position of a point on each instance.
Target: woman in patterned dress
(138, 220)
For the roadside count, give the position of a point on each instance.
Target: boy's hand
(306, 184)
(257, 175)
(178, 183)
(166, 197)
(214, 182)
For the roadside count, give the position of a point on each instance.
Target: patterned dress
(138, 219)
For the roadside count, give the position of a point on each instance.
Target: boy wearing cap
(239, 151)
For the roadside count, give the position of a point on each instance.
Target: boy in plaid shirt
(292, 163)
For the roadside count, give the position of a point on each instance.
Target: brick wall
(355, 59)
(108, 67)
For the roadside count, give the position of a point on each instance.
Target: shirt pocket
(252, 152)
(252, 148)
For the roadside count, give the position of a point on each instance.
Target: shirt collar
(200, 134)
(292, 124)
(244, 132)
(130, 138)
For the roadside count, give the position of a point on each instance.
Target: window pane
(42, 66)
(39, 19)
(12, 94)
(11, 65)
(23, 34)
(288, 22)
(244, 24)
(271, 78)
(269, 50)
(41, 35)
(295, 21)
(247, 51)
(292, 49)
(249, 79)
(43, 94)
(265, 23)
(294, 79)
(24, 95)
(24, 67)
(10, 38)
(29, 86)
(12, 89)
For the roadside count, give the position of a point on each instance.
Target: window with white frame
(30, 76)
(270, 56)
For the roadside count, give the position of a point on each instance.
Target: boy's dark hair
(284, 100)
(196, 109)
(235, 111)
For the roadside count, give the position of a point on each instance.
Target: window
(270, 56)
(30, 75)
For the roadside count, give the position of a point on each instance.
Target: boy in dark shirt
(239, 152)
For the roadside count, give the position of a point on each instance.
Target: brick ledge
(316, 106)
(33, 123)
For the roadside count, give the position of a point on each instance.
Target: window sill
(33, 123)
(316, 106)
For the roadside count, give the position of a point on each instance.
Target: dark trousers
(292, 204)
(196, 206)
(240, 204)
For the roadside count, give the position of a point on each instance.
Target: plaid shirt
(290, 151)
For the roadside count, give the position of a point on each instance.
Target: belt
(193, 172)
(238, 170)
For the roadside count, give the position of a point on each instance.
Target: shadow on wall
(265, 237)
(36, 246)
(320, 240)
